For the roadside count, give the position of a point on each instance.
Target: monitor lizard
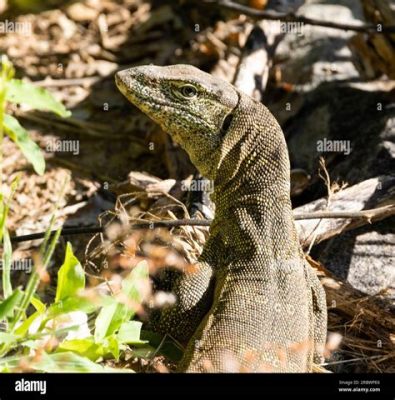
(253, 303)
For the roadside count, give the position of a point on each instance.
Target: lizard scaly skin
(254, 303)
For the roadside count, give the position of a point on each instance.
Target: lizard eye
(226, 124)
(188, 91)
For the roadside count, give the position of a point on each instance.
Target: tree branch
(369, 215)
(291, 17)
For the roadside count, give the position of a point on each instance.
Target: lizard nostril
(123, 76)
(119, 77)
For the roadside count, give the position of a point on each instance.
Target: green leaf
(38, 304)
(87, 347)
(84, 347)
(57, 362)
(7, 338)
(129, 333)
(6, 257)
(24, 327)
(6, 261)
(68, 362)
(31, 344)
(104, 320)
(38, 98)
(132, 283)
(71, 276)
(21, 138)
(65, 362)
(3, 215)
(113, 316)
(70, 304)
(8, 305)
(111, 345)
(5, 206)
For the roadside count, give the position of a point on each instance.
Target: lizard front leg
(193, 291)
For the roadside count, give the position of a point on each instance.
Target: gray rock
(310, 55)
(364, 257)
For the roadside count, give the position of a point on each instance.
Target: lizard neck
(254, 222)
(252, 190)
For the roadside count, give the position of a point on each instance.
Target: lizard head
(192, 106)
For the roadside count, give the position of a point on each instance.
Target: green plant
(59, 332)
(21, 92)
(64, 323)
(56, 337)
